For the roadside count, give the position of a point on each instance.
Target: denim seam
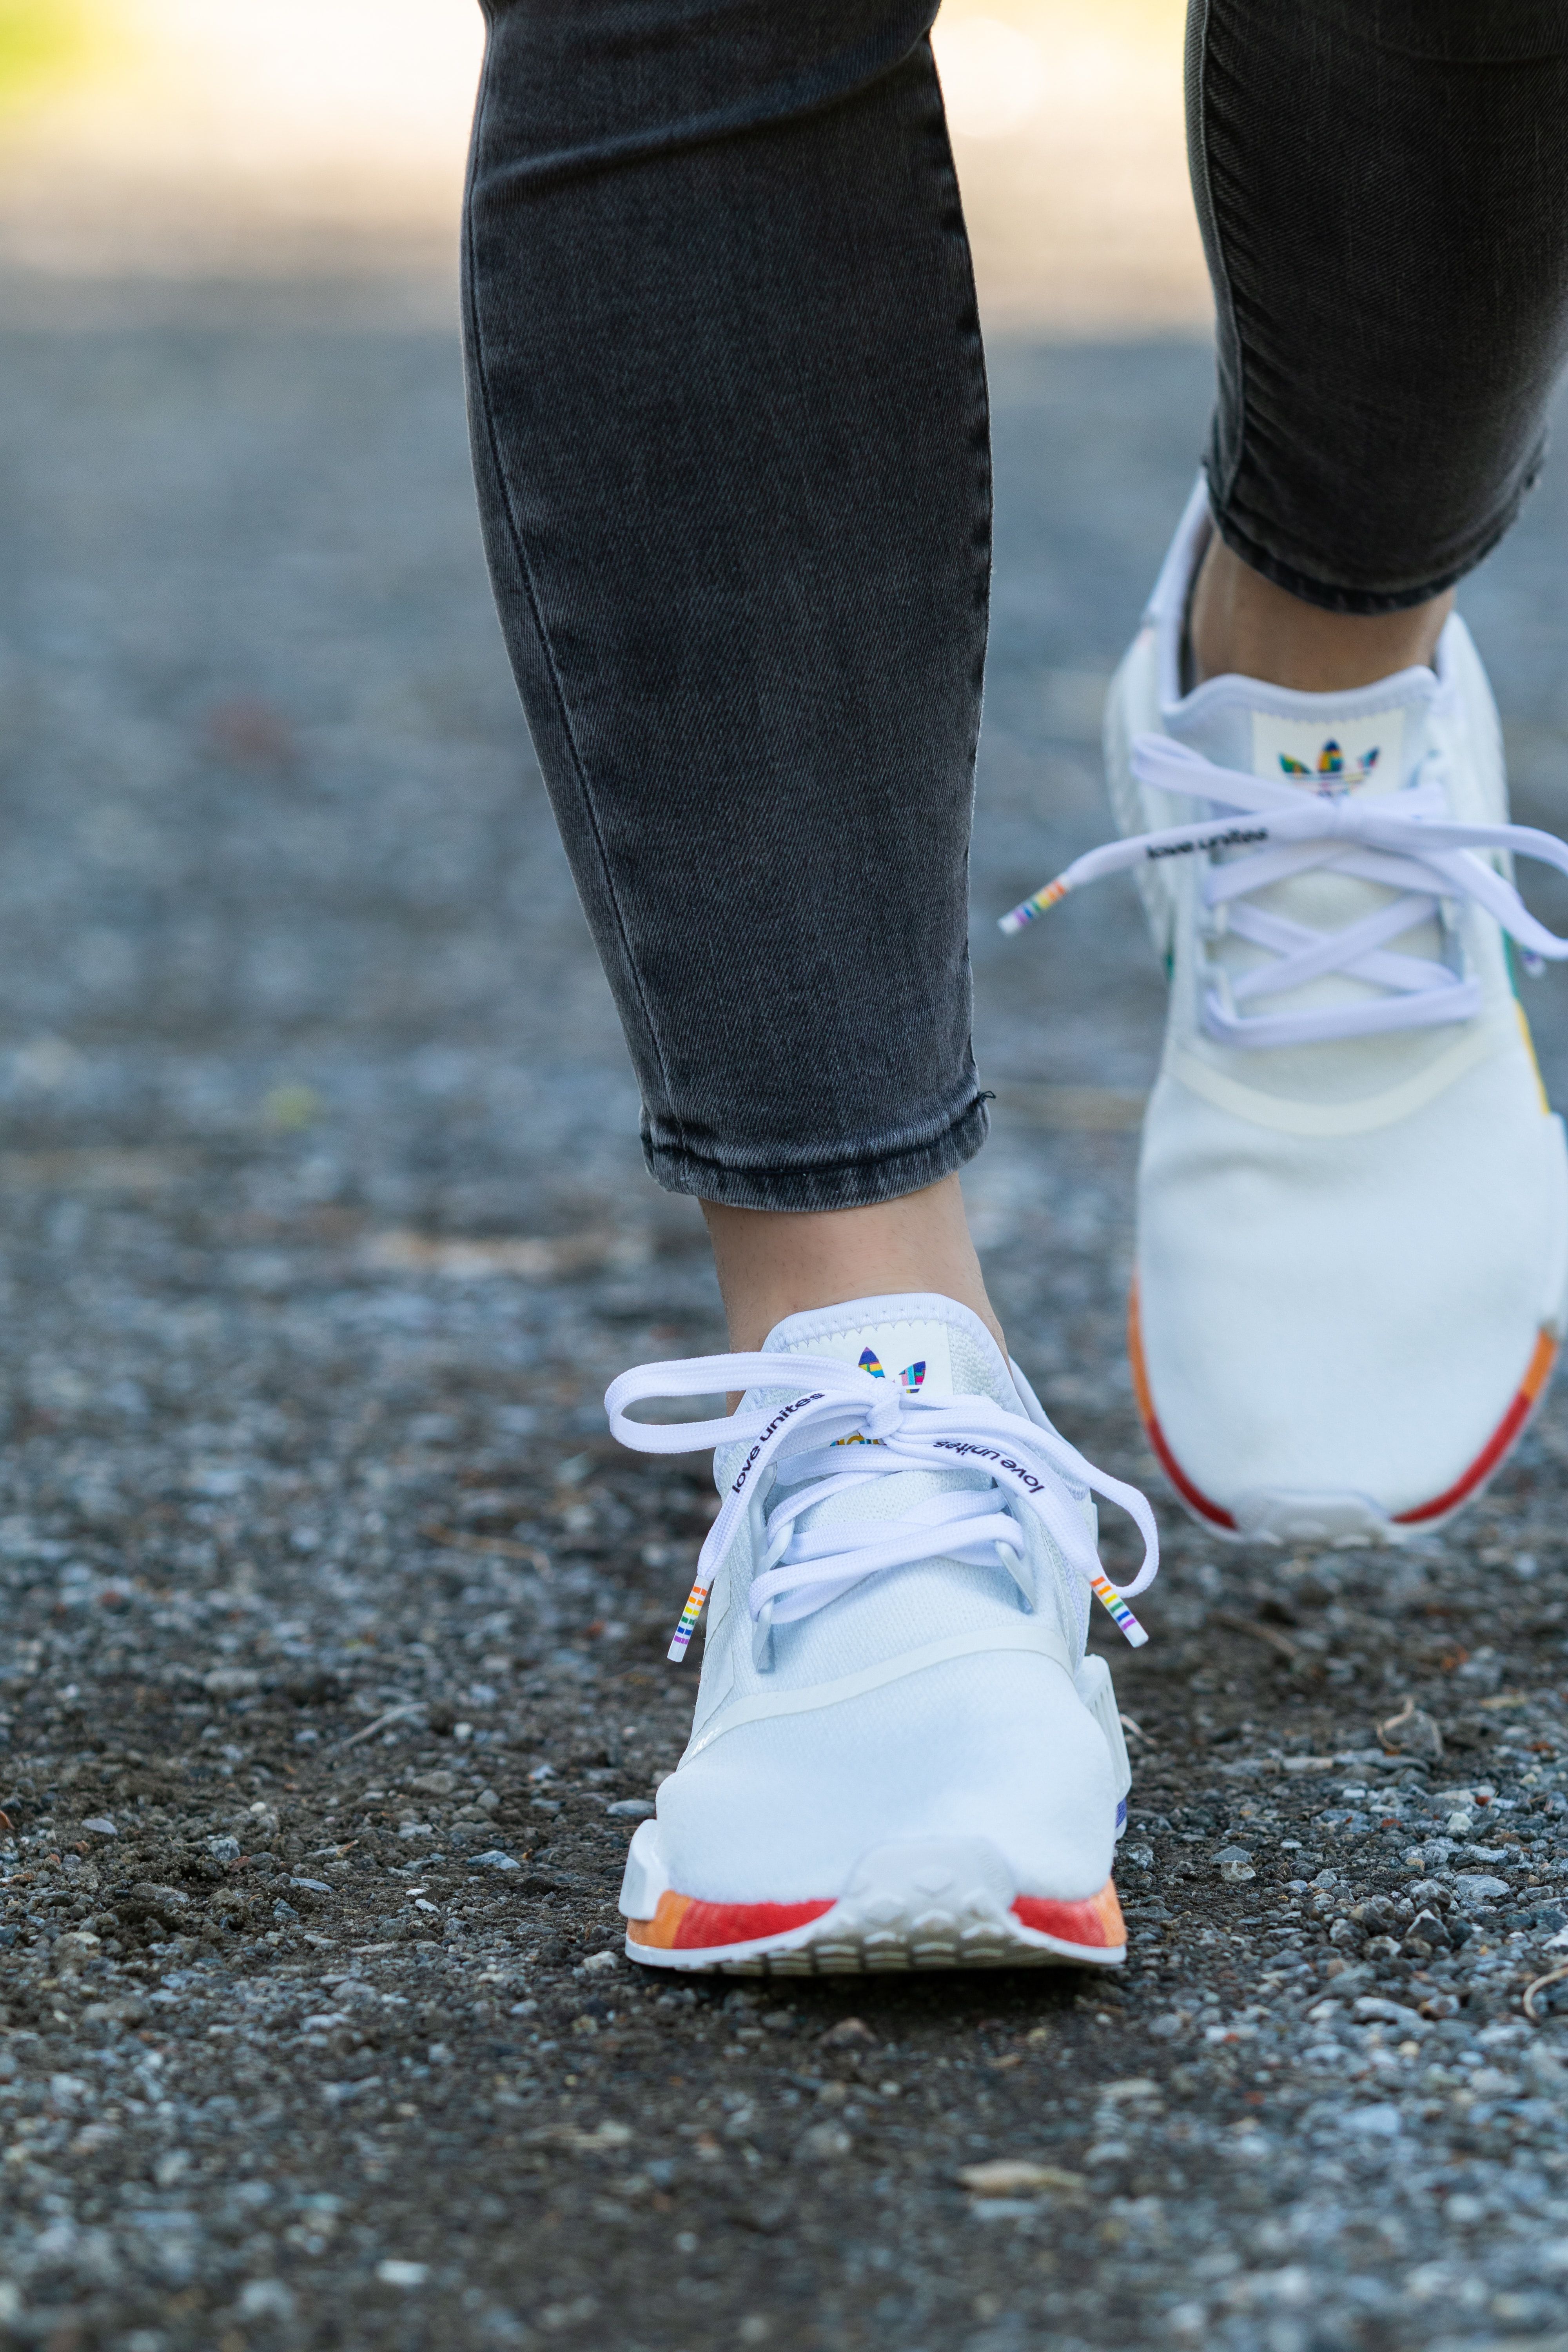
(1228, 335)
(972, 343)
(525, 569)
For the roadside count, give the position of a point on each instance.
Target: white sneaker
(901, 1756)
(1353, 1246)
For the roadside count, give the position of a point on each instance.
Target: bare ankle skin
(772, 1264)
(1242, 623)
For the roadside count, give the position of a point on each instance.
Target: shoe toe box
(1346, 1322)
(996, 1747)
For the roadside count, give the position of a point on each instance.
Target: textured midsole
(834, 1937)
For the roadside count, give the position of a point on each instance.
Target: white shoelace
(796, 1455)
(1403, 840)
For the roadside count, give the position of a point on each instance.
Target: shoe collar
(930, 1345)
(1378, 735)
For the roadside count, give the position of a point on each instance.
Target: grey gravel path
(334, 1680)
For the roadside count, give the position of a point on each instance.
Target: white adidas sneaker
(902, 1756)
(1353, 1247)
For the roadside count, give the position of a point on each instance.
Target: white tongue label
(913, 1356)
(1342, 755)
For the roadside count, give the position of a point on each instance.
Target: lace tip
(1530, 964)
(681, 1639)
(1126, 1624)
(1030, 908)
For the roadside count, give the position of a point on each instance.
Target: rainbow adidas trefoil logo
(1331, 773)
(909, 1378)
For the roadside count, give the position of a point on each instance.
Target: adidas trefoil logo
(910, 1379)
(1331, 773)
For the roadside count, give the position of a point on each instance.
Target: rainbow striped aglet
(1125, 1620)
(1031, 909)
(688, 1626)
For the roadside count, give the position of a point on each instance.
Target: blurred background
(270, 137)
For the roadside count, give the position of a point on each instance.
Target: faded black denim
(729, 423)
(1382, 188)
(729, 416)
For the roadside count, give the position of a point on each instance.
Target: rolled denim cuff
(849, 1176)
(1335, 596)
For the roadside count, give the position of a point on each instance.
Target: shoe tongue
(921, 1342)
(1371, 741)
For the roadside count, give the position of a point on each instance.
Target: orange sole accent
(1527, 1396)
(681, 1924)
(1097, 1925)
(1192, 1495)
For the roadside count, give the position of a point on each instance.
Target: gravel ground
(334, 1680)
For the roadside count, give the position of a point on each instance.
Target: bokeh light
(281, 136)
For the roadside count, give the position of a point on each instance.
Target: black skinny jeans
(729, 414)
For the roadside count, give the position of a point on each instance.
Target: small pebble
(393, 2272)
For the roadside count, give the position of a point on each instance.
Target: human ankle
(1243, 624)
(773, 1263)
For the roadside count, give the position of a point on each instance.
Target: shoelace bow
(1403, 840)
(797, 1453)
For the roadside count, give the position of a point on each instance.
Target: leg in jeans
(1383, 198)
(729, 423)
(729, 414)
